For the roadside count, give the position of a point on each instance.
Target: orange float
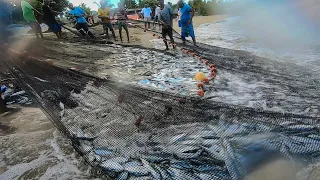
(200, 92)
(200, 85)
(206, 62)
(213, 74)
(213, 70)
(205, 81)
(200, 76)
(212, 66)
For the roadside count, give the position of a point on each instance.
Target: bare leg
(145, 27)
(107, 33)
(120, 32)
(127, 32)
(113, 34)
(194, 41)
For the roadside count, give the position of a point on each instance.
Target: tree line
(201, 7)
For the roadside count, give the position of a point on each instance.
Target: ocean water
(239, 34)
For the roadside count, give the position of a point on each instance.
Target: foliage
(56, 5)
(205, 8)
(150, 3)
(130, 4)
(86, 8)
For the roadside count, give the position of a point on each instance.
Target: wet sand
(34, 149)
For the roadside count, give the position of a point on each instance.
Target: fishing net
(125, 131)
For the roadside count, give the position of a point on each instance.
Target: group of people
(163, 15)
(49, 18)
(121, 17)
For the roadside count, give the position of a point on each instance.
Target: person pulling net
(81, 23)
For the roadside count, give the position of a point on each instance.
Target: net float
(212, 66)
(213, 70)
(206, 62)
(200, 93)
(187, 51)
(200, 85)
(154, 35)
(193, 54)
(73, 68)
(138, 121)
(200, 76)
(205, 81)
(200, 58)
(213, 74)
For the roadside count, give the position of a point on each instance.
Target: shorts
(54, 27)
(107, 26)
(83, 26)
(122, 24)
(156, 18)
(148, 19)
(167, 31)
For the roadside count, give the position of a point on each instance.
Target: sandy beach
(29, 122)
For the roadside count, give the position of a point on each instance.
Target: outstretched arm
(192, 14)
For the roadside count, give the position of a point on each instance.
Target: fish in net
(126, 131)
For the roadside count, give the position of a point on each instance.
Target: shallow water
(231, 34)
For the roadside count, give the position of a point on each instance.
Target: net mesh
(126, 131)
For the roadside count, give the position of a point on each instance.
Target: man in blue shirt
(146, 12)
(187, 14)
(82, 25)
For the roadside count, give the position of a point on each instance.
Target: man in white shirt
(146, 12)
(156, 16)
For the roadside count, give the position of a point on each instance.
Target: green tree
(150, 3)
(130, 4)
(86, 8)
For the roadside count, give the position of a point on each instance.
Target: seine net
(126, 131)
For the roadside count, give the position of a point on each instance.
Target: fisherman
(5, 20)
(146, 13)
(28, 15)
(187, 14)
(156, 16)
(122, 20)
(50, 20)
(166, 19)
(103, 14)
(82, 25)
